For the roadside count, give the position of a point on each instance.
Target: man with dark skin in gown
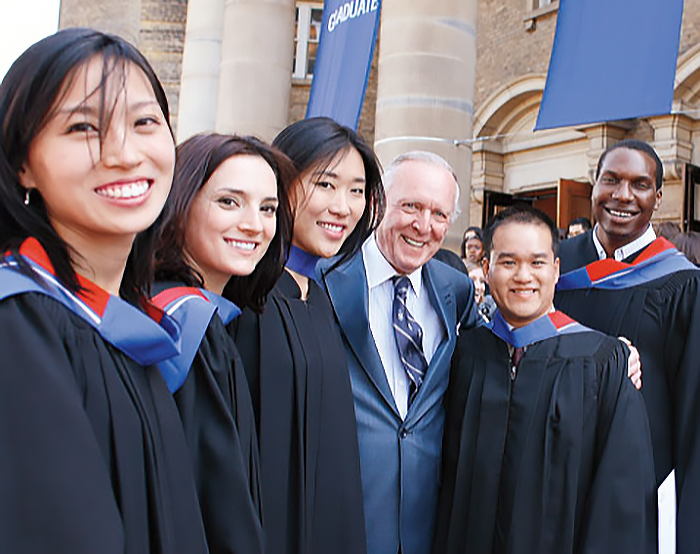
(621, 279)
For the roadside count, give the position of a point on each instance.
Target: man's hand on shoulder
(634, 364)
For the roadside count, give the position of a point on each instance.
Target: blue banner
(611, 59)
(344, 59)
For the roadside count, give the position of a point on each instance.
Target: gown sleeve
(454, 401)
(55, 485)
(245, 330)
(217, 418)
(620, 509)
(683, 341)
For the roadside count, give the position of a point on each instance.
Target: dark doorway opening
(567, 201)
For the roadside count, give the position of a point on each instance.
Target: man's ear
(659, 194)
(485, 268)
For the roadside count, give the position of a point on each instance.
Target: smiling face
(420, 203)
(112, 190)
(522, 271)
(232, 220)
(624, 197)
(332, 203)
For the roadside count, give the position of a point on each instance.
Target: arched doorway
(511, 163)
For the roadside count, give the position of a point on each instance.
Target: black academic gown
(309, 457)
(557, 460)
(217, 417)
(662, 319)
(93, 455)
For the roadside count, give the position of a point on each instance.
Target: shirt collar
(628, 249)
(379, 270)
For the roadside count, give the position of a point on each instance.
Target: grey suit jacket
(400, 459)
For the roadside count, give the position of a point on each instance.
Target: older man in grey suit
(399, 312)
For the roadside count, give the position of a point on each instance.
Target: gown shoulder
(95, 442)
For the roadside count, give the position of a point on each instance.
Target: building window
(309, 18)
(536, 9)
(541, 6)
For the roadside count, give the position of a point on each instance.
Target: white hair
(425, 157)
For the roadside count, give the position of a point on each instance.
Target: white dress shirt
(646, 238)
(379, 273)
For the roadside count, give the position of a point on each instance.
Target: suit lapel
(443, 301)
(347, 288)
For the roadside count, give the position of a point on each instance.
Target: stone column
(118, 17)
(255, 80)
(673, 144)
(425, 92)
(600, 138)
(199, 88)
(487, 174)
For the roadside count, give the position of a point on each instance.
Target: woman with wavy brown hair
(228, 216)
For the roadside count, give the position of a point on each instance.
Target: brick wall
(505, 50)
(690, 31)
(162, 40)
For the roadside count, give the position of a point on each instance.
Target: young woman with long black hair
(94, 458)
(294, 356)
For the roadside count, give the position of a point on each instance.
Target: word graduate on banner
(344, 59)
(611, 59)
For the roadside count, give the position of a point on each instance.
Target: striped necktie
(409, 337)
(516, 356)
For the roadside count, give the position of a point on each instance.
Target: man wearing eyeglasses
(399, 312)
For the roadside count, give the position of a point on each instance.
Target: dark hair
(196, 161)
(582, 221)
(29, 96)
(520, 213)
(640, 146)
(689, 244)
(478, 234)
(450, 258)
(312, 144)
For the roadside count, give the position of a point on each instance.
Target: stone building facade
(492, 145)
(513, 49)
